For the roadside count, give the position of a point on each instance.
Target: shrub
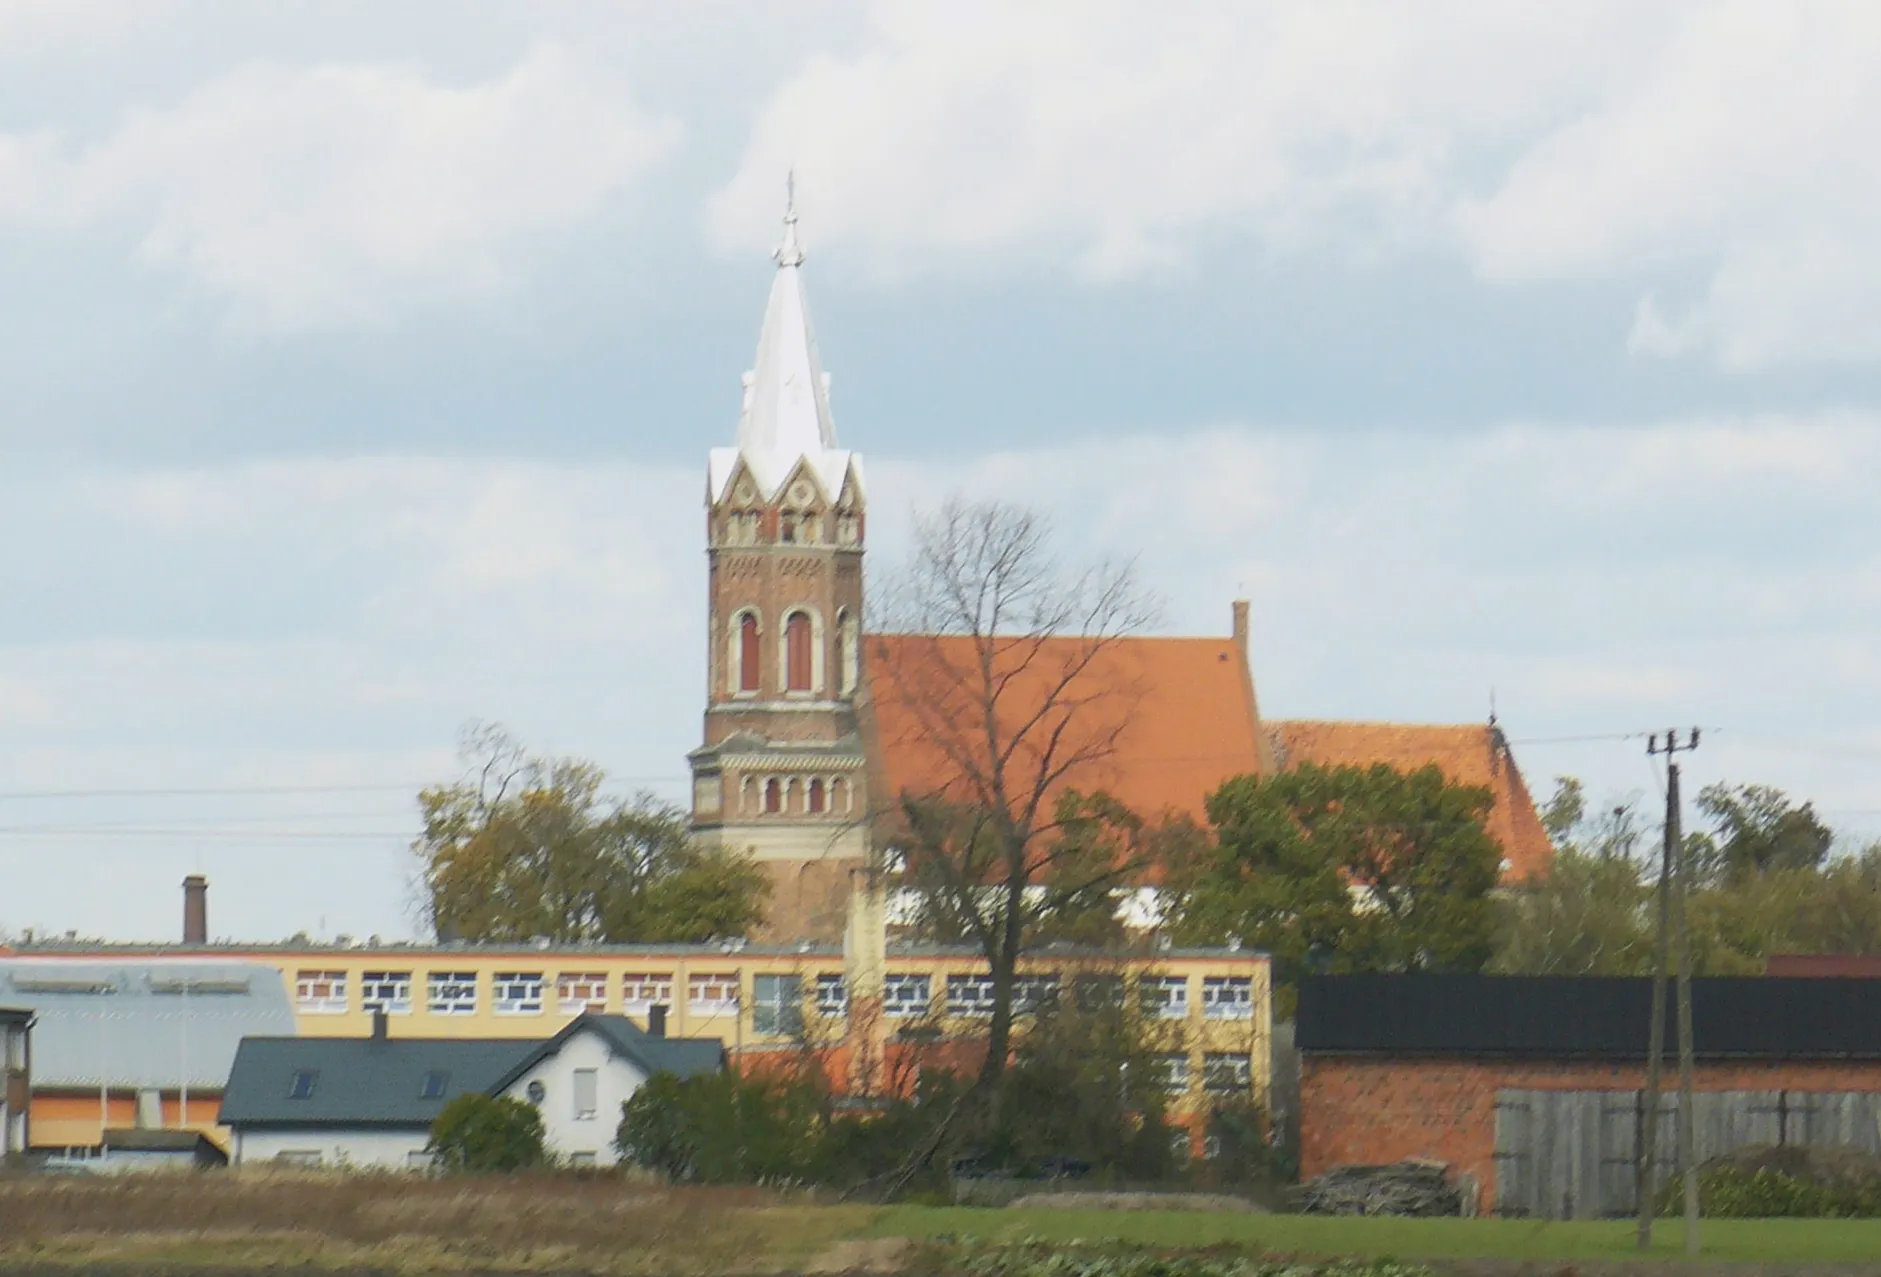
(722, 1128)
(487, 1133)
(1783, 1182)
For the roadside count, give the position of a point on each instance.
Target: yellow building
(762, 1001)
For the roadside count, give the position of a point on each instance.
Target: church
(806, 735)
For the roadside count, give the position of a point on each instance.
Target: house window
(712, 994)
(387, 991)
(320, 992)
(641, 990)
(452, 993)
(832, 996)
(517, 993)
(1165, 996)
(747, 653)
(586, 1092)
(581, 1159)
(905, 996)
(817, 799)
(1095, 992)
(1227, 997)
(301, 1085)
(777, 1004)
(1032, 994)
(435, 1083)
(1227, 1073)
(1173, 1072)
(797, 640)
(970, 994)
(578, 991)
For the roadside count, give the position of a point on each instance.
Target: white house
(370, 1102)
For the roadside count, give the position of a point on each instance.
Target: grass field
(1765, 1240)
(551, 1223)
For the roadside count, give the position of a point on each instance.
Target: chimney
(1240, 625)
(656, 1021)
(380, 1023)
(195, 909)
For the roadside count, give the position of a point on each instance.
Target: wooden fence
(1571, 1154)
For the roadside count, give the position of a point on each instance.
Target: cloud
(1706, 140)
(336, 195)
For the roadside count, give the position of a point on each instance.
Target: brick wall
(1367, 1110)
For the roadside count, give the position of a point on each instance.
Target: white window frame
(1227, 1073)
(387, 991)
(832, 996)
(518, 992)
(590, 985)
(970, 993)
(593, 1079)
(1034, 993)
(782, 1013)
(451, 992)
(712, 993)
(641, 990)
(1227, 997)
(897, 995)
(1165, 995)
(320, 992)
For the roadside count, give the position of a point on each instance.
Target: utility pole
(1646, 1133)
(1675, 872)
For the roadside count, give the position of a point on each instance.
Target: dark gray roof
(360, 1081)
(683, 1057)
(143, 1022)
(1607, 1017)
(14, 1015)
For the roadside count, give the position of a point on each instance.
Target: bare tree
(999, 672)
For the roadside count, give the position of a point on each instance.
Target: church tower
(781, 774)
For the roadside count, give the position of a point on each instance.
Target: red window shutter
(797, 653)
(748, 654)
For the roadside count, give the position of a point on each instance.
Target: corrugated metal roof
(1606, 1017)
(360, 1081)
(155, 1024)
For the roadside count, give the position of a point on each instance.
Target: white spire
(786, 412)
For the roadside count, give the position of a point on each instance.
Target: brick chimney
(195, 909)
(1240, 625)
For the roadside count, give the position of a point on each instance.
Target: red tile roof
(1186, 720)
(1469, 754)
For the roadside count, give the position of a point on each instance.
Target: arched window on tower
(773, 797)
(847, 646)
(815, 803)
(748, 653)
(797, 662)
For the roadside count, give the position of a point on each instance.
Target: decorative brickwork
(1365, 1110)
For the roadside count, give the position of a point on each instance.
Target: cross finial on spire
(790, 252)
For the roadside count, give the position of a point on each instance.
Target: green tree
(1349, 868)
(1590, 914)
(528, 846)
(486, 1133)
(1756, 829)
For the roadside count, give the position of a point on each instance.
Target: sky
(359, 361)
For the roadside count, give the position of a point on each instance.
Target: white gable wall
(565, 1133)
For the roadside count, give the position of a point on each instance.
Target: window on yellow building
(712, 994)
(969, 994)
(832, 996)
(1173, 1072)
(1165, 996)
(906, 996)
(1227, 1073)
(452, 993)
(578, 991)
(320, 992)
(1228, 997)
(387, 991)
(641, 989)
(516, 993)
